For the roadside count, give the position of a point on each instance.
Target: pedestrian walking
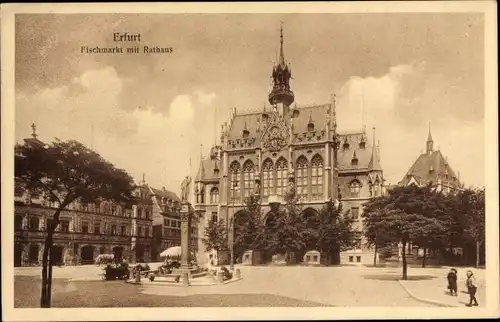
(472, 288)
(452, 282)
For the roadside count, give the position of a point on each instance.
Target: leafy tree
(285, 229)
(335, 230)
(67, 172)
(433, 231)
(248, 232)
(405, 214)
(376, 236)
(471, 204)
(215, 235)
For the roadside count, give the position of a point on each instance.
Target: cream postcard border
(143, 314)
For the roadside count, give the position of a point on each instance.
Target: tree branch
(50, 190)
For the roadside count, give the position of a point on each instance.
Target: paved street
(261, 286)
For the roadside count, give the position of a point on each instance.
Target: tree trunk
(478, 246)
(375, 257)
(44, 300)
(405, 268)
(424, 257)
(49, 280)
(46, 295)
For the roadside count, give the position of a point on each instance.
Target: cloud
(393, 104)
(166, 146)
(205, 98)
(140, 141)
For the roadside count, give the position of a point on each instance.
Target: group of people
(470, 283)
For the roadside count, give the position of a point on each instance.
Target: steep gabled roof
(165, 193)
(430, 167)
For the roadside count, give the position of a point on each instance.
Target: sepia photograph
(178, 157)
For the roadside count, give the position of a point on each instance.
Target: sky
(156, 113)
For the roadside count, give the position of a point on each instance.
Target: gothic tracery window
(234, 172)
(248, 178)
(268, 174)
(317, 177)
(354, 188)
(302, 175)
(281, 176)
(214, 195)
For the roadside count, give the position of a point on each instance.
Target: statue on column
(185, 188)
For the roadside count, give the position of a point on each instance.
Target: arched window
(317, 177)
(234, 173)
(281, 177)
(354, 188)
(268, 174)
(248, 178)
(214, 195)
(302, 176)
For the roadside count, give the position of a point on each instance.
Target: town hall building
(285, 144)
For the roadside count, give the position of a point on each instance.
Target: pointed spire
(33, 126)
(282, 55)
(143, 182)
(310, 117)
(374, 160)
(430, 142)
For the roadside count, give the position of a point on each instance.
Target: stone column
(40, 253)
(326, 174)
(133, 245)
(185, 235)
(25, 221)
(24, 254)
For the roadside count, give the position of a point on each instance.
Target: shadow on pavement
(397, 277)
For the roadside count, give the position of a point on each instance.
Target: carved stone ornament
(275, 140)
(276, 136)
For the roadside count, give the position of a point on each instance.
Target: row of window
(308, 178)
(106, 208)
(172, 223)
(64, 226)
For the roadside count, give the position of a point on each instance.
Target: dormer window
(245, 133)
(310, 127)
(354, 160)
(295, 113)
(362, 144)
(346, 145)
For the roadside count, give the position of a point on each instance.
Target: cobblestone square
(260, 286)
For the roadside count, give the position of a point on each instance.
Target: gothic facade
(282, 146)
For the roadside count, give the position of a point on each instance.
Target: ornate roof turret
(310, 123)
(201, 170)
(281, 92)
(374, 164)
(362, 141)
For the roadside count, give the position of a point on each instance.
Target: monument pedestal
(186, 270)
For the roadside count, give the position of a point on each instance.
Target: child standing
(452, 282)
(472, 288)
